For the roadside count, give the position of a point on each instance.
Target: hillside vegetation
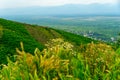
(50, 54)
(12, 33)
(60, 62)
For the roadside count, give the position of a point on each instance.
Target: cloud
(28, 3)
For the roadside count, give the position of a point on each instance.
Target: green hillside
(44, 34)
(68, 57)
(12, 33)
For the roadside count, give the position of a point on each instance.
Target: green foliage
(101, 58)
(63, 49)
(59, 61)
(97, 62)
(42, 34)
(11, 34)
(1, 32)
(77, 39)
(118, 51)
(44, 65)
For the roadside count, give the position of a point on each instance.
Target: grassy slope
(44, 34)
(32, 36)
(76, 39)
(12, 34)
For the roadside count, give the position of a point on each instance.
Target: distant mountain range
(71, 9)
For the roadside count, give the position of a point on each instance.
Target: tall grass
(59, 61)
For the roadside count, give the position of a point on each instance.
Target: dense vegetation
(68, 57)
(76, 39)
(12, 33)
(60, 62)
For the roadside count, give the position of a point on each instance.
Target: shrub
(101, 59)
(43, 65)
(60, 62)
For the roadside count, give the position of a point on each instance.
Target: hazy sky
(27, 3)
